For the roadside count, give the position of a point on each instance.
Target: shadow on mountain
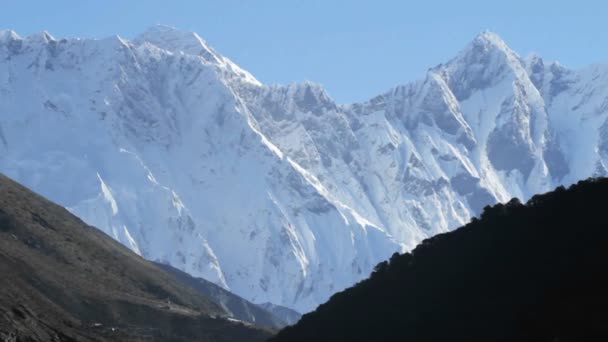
(234, 305)
(289, 316)
(61, 280)
(533, 272)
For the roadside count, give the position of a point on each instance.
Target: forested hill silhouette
(533, 272)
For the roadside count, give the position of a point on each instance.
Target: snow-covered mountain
(277, 193)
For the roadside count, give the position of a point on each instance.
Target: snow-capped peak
(42, 37)
(172, 39)
(8, 35)
(276, 192)
(177, 41)
(486, 49)
(489, 38)
(483, 62)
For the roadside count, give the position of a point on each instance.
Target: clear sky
(356, 49)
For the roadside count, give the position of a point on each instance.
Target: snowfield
(276, 192)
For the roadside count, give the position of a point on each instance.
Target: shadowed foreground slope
(534, 272)
(63, 280)
(236, 306)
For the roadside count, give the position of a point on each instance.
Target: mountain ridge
(222, 168)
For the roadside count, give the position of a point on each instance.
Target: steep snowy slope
(156, 149)
(424, 157)
(276, 192)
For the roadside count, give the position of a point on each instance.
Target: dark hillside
(534, 272)
(236, 306)
(61, 280)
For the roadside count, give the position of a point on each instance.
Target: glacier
(276, 192)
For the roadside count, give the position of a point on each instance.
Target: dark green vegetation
(61, 280)
(534, 272)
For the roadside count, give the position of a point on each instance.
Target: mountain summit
(172, 39)
(276, 192)
(190, 43)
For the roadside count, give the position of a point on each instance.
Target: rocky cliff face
(276, 192)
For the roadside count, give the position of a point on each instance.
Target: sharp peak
(8, 33)
(42, 35)
(298, 87)
(485, 43)
(536, 58)
(175, 40)
(489, 37)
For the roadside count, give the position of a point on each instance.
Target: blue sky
(356, 49)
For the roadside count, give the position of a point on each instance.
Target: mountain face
(65, 281)
(533, 272)
(277, 193)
